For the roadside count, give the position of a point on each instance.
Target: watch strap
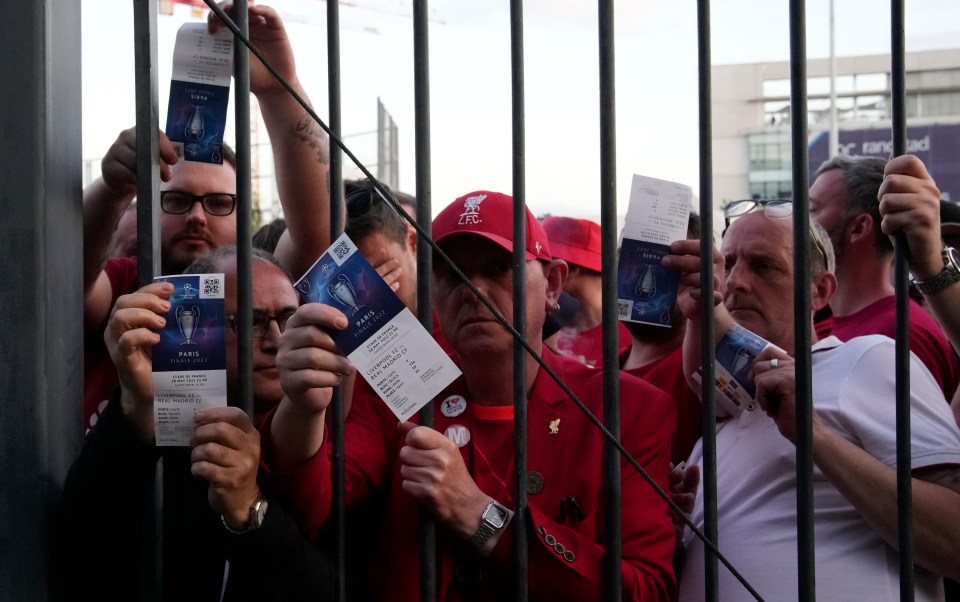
(487, 528)
(949, 275)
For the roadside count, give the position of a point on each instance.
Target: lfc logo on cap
(471, 210)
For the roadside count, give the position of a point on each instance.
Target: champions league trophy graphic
(194, 129)
(644, 291)
(342, 290)
(742, 360)
(647, 284)
(187, 321)
(304, 287)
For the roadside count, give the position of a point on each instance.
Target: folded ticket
(199, 91)
(384, 341)
(735, 354)
(657, 215)
(189, 362)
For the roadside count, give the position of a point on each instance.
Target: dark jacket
(105, 535)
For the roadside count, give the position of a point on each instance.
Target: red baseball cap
(490, 215)
(575, 241)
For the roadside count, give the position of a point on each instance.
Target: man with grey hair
(853, 435)
(844, 200)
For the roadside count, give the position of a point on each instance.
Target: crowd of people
(247, 506)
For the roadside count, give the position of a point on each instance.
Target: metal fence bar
(421, 84)
(148, 145)
(241, 73)
(708, 327)
(337, 414)
(612, 581)
(902, 361)
(806, 581)
(521, 516)
(148, 241)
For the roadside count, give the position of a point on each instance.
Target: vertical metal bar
(148, 238)
(421, 82)
(801, 301)
(336, 220)
(708, 327)
(241, 58)
(148, 145)
(519, 304)
(833, 144)
(612, 580)
(421, 86)
(901, 259)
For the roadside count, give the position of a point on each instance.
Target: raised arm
(104, 201)
(130, 335)
(685, 258)
(301, 151)
(310, 366)
(910, 203)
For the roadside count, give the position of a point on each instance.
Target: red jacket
(569, 462)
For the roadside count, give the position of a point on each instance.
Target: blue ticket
(199, 93)
(657, 215)
(189, 362)
(735, 354)
(646, 291)
(385, 342)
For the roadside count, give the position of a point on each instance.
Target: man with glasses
(854, 435)
(198, 201)
(226, 539)
(844, 199)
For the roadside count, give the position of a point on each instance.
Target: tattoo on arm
(310, 132)
(948, 476)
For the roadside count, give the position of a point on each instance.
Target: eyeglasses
(359, 202)
(775, 208)
(361, 199)
(260, 324)
(178, 203)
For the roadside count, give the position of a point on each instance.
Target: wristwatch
(949, 275)
(492, 520)
(258, 513)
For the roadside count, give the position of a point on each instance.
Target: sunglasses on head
(774, 208)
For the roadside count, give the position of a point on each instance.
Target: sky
(470, 79)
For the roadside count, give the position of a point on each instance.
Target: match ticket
(657, 215)
(735, 354)
(199, 92)
(189, 362)
(384, 340)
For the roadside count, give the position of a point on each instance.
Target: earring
(555, 309)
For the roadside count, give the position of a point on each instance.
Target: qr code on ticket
(341, 251)
(211, 286)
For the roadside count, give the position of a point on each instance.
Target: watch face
(259, 513)
(496, 515)
(951, 255)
